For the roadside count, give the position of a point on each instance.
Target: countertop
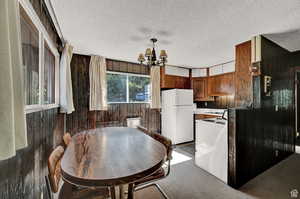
(204, 116)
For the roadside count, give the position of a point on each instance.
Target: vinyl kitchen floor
(187, 181)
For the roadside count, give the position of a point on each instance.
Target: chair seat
(69, 191)
(160, 173)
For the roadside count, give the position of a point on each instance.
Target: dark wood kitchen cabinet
(200, 89)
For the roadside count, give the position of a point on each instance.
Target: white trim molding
(43, 38)
(26, 5)
(54, 19)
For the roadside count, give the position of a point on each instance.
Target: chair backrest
(67, 138)
(54, 168)
(143, 129)
(162, 139)
(165, 141)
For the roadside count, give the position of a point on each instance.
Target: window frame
(44, 38)
(127, 87)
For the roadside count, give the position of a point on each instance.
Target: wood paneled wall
(263, 136)
(23, 176)
(127, 67)
(258, 139)
(79, 119)
(116, 114)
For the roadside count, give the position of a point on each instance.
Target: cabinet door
(169, 81)
(211, 87)
(227, 84)
(221, 85)
(199, 87)
(179, 82)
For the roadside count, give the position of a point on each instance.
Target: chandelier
(151, 56)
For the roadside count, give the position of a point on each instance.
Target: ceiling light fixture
(151, 56)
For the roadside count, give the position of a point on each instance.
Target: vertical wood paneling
(116, 114)
(263, 136)
(243, 77)
(22, 176)
(260, 139)
(79, 119)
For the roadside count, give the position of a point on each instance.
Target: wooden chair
(160, 173)
(67, 138)
(67, 191)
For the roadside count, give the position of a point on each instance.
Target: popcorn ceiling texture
(195, 33)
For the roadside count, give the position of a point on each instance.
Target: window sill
(36, 108)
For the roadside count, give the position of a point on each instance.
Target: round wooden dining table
(111, 157)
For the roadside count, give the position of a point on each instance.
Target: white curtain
(65, 81)
(155, 87)
(98, 87)
(13, 134)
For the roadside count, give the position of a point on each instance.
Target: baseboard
(297, 149)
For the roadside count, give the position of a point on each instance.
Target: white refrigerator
(177, 115)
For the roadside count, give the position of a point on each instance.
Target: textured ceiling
(195, 33)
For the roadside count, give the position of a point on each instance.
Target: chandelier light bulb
(150, 54)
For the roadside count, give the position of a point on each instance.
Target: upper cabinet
(175, 77)
(221, 85)
(221, 80)
(205, 82)
(200, 89)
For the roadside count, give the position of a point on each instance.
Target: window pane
(49, 77)
(139, 89)
(30, 52)
(116, 88)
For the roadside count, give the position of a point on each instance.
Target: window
(139, 88)
(30, 52)
(127, 88)
(40, 63)
(49, 77)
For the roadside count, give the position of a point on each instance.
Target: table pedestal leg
(112, 192)
(130, 191)
(122, 193)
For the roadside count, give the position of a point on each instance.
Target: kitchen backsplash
(221, 102)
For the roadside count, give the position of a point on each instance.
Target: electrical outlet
(276, 153)
(276, 108)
